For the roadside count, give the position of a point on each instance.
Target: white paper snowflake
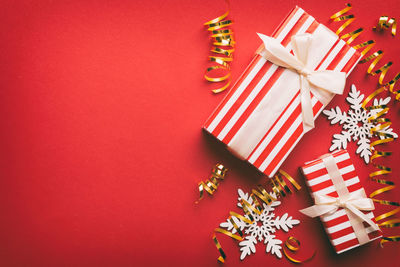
(355, 124)
(262, 228)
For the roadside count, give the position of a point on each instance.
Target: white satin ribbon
(355, 203)
(328, 80)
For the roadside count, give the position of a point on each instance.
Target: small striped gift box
(260, 119)
(337, 224)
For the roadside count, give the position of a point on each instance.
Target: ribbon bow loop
(356, 203)
(329, 80)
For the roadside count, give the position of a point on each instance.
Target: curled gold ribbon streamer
(210, 186)
(222, 52)
(375, 57)
(387, 214)
(390, 223)
(294, 245)
(260, 194)
(381, 170)
(384, 239)
(380, 122)
(385, 23)
(348, 19)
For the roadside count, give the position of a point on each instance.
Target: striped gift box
(251, 103)
(337, 225)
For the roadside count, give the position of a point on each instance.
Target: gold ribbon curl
(376, 56)
(385, 23)
(381, 172)
(348, 19)
(294, 245)
(211, 185)
(222, 51)
(260, 195)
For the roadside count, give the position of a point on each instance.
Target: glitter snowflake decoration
(355, 124)
(262, 228)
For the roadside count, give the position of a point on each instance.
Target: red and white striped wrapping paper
(259, 86)
(337, 225)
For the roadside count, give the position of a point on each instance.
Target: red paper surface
(102, 104)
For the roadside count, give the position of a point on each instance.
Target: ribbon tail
(318, 210)
(362, 216)
(306, 105)
(329, 80)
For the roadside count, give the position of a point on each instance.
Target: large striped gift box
(260, 118)
(337, 224)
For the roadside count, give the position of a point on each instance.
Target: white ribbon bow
(354, 203)
(329, 80)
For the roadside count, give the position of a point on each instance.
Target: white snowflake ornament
(262, 228)
(355, 125)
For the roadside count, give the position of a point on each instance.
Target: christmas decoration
(222, 51)
(385, 23)
(263, 227)
(356, 125)
(211, 185)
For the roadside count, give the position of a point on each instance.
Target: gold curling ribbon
(376, 56)
(348, 19)
(222, 51)
(380, 122)
(210, 186)
(260, 195)
(395, 238)
(385, 23)
(294, 245)
(381, 170)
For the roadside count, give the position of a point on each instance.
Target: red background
(102, 104)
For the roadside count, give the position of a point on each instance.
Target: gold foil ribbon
(211, 185)
(381, 171)
(385, 23)
(294, 245)
(375, 57)
(260, 195)
(348, 19)
(222, 51)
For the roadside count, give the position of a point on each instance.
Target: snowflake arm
(336, 115)
(229, 226)
(273, 246)
(387, 131)
(364, 149)
(355, 98)
(285, 222)
(247, 246)
(340, 141)
(244, 196)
